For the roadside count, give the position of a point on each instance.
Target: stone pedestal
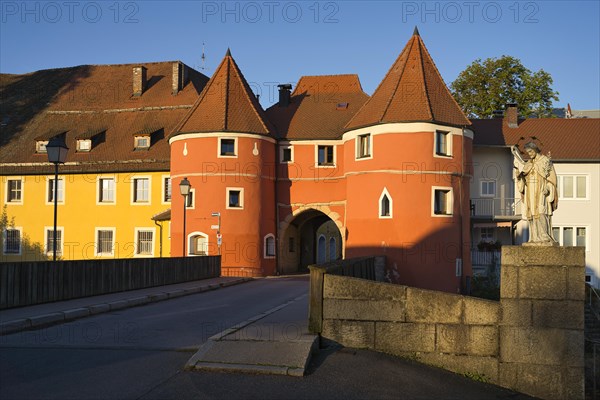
(541, 331)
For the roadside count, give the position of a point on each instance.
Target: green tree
(486, 86)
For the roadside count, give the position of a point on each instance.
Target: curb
(44, 320)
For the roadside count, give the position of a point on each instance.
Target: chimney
(284, 94)
(512, 115)
(139, 80)
(180, 76)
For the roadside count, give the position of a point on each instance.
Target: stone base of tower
(541, 332)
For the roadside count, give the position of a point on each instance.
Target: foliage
(485, 288)
(489, 246)
(476, 377)
(486, 86)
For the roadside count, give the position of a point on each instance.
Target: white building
(574, 147)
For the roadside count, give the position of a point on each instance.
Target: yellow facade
(87, 215)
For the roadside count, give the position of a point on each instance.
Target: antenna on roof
(203, 57)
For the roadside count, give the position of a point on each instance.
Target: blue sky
(278, 41)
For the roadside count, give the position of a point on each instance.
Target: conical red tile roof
(226, 104)
(413, 90)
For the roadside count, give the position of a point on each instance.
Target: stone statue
(537, 183)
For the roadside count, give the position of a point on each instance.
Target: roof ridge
(422, 63)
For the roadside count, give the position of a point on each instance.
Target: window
(142, 142)
(14, 191)
(487, 234)
(442, 143)
(286, 154)
(198, 244)
(570, 236)
(385, 204)
(269, 246)
(84, 145)
(12, 241)
(332, 249)
(106, 190)
(60, 192)
(235, 198)
(325, 155)
(166, 189)
(141, 190)
(227, 147)
(363, 146)
(573, 187)
(105, 242)
(144, 243)
(50, 241)
(488, 188)
(442, 202)
(40, 146)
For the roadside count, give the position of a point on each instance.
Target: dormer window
(40, 146)
(142, 142)
(84, 145)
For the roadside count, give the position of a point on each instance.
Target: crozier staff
(536, 181)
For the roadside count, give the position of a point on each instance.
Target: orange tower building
(328, 172)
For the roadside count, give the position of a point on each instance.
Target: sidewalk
(276, 342)
(37, 316)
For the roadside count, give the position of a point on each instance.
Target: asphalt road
(139, 353)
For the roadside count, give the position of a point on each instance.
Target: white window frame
(192, 206)
(491, 239)
(266, 254)
(48, 185)
(230, 189)
(99, 191)
(450, 201)
(40, 146)
(561, 234)
(386, 193)
(59, 249)
(163, 187)
(190, 236)
(114, 241)
(487, 181)
(333, 164)
(287, 147)
(235, 147)
(136, 243)
(448, 135)
(7, 190)
(4, 240)
(357, 143)
(574, 176)
(81, 149)
(133, 191)
(137, 139)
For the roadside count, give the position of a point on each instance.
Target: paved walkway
(37, 316)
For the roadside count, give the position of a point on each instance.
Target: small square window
(363, 146)
(488, 188)
(84, 145)
(14, 193)
(227, 147)
(325, 155)
(12, 241)
(442, 144)
(40, 146)
(286, 154)
(442, 202)
(234, 199)
(142, 142)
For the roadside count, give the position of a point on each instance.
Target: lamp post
(57, 154)
(184, 187)
(218, 214)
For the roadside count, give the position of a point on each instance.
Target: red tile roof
(92, 102)
(565, 139)
(226, 104)
(412, 90)
(320, 107)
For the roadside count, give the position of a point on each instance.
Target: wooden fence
(27, 283)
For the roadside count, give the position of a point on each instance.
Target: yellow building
(115, 120)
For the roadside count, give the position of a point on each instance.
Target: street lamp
(218, 214)
(184, 187)
(57, 154)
